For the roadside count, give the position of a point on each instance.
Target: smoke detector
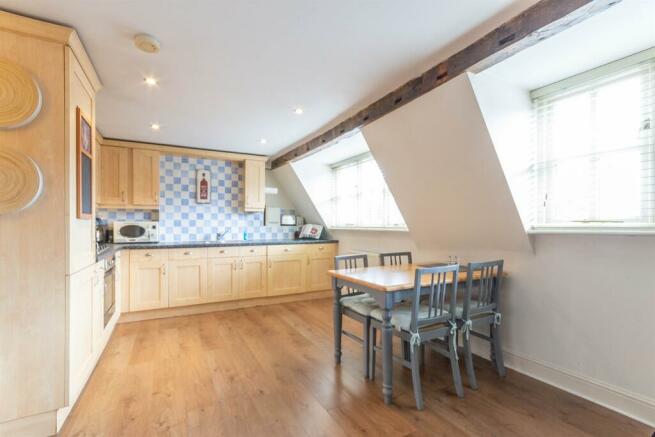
(146, 43)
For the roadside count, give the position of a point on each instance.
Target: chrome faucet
(220, 235)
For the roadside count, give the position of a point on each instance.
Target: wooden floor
(269, 371)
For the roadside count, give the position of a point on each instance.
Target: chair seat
(401, 316)
(362, 304)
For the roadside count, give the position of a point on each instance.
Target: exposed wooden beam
(540, 21)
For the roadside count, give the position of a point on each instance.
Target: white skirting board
(629, 404)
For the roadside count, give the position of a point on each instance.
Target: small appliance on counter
(312, 232)
(101, 231)
(288, 220)
(136, 232)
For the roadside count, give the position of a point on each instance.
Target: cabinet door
(286, 274)
(145, 177)
(252, 277)
(255, 184)
(114, 162)
(148, 285)
(187, 282)
(221, 279)
(317, 276)
(81, 289)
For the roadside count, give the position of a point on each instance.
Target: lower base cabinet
(221, 279)
(286, 274)
(148, 284)
(163, 278)
(252, 278)
(187, 282)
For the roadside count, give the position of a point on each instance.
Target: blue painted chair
(481, 309)
(395, 258)
(356, 305)
(428, 319)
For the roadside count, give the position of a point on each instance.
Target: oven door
(131, 232)
(109, 296)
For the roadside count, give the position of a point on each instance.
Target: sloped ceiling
(441, 166)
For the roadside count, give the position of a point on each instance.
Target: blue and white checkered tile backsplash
(112, 215)
(182, 219)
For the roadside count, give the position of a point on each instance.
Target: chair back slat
(395, 258)
(483, 293)
(350, 262)
(440, 304)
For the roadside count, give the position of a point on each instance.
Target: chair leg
(454, 365)
(415, 351)
(366, 343)
(497, 351)
(371, 351)
(468, 359)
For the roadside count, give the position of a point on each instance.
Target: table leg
(337, 323)
(387, 355)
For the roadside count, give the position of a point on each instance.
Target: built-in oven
(109, 304)
(136, 232)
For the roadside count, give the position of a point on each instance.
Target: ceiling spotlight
(155, 126)
(146, 43)
(150, 81)
(298, 111)
(263, 141)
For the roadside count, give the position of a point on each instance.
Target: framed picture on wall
(84, 167)
(203, 186)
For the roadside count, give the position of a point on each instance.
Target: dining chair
(428, 319)
(481, 308)
(395, 258)
(356, 304)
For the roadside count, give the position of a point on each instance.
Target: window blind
(594, 137)
(361, 197)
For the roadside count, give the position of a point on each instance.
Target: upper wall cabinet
(255, 184)
(145, 177)
(114, 168)
(129, 178)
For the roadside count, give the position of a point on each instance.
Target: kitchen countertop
(113, 248)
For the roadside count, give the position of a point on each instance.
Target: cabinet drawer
(287, 249)
(321, 249)
(139, 255)
(252, 250)
(187, 253)
(222, 252)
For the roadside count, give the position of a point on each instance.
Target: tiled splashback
(182, 219)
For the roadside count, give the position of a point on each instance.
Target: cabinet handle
(307, 260)
(148, 254)
(221, 251)
(286, 249)
(252, 250)
(321, 248)
(270, 264)
(122, 196)
(241, 264)
(163, 269)
(234, 265)
(188, 253)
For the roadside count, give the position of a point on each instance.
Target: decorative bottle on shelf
(204, 188)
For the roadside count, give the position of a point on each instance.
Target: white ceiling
(231, 72)
(623, 29)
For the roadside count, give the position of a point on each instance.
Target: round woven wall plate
(20, 96)
(21, 181)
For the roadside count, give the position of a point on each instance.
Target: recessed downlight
(150, 81)
(155, 126)
(263, 141)
(298, 111)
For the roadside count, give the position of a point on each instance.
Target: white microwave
(136, 232)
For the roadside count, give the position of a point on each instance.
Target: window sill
(346, 228)
(592, 230)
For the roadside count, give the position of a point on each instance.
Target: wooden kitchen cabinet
(145, 177)
(255, 185)
(286, 274)
(222, 279)
(252, 277)
(113, 180)
(187, 281)
(320, 259)
(148, 283)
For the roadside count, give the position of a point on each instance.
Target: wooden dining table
(388, 285)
